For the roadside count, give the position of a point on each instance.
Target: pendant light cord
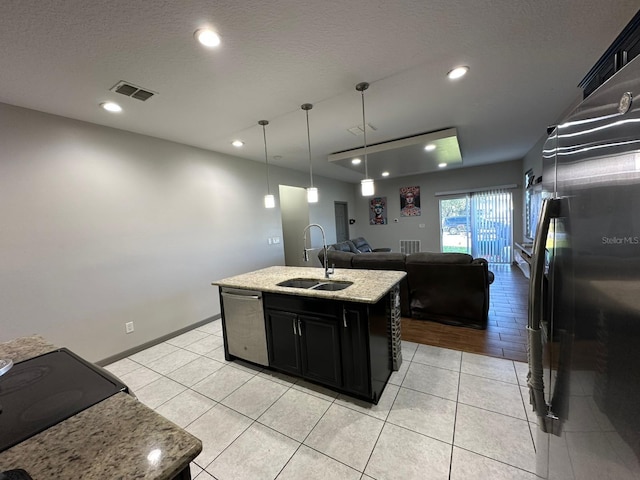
(364, 131)
(309, 142)
(266, 158)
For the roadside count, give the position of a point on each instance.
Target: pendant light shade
(312, 192)
(368, 188)
(269, 200)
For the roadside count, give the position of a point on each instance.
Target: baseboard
(151, 343)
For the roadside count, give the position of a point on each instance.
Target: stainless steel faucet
(324, 247)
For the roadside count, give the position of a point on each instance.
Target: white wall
(100, 227)
(408, 228)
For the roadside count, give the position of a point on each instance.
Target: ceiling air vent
(131, 90)
(357, 130)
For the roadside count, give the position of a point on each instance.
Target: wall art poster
(378, 211)
(410, 201)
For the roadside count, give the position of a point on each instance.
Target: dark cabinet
(304, 344)
(282, 340)
(355, 349)
(343, 345)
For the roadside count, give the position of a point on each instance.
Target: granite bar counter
(117, 438)
(369, 286)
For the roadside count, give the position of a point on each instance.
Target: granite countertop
(117, 438)
(369, 286)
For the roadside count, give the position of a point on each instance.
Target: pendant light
(312, 192)
(366, 184)
(269, 200)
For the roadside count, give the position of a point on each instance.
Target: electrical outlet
(128, 327)
(269, 241)
(276, 240)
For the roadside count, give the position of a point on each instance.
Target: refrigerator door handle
(535, 380)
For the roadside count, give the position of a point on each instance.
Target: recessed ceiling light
(457, 72)
(237, 143)
(442, 165)
(111, 107)
(356, 161)
(385, 174)
(430, 148)
(207, 37)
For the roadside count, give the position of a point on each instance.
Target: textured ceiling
(526, 59)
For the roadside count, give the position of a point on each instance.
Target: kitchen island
(116, 438)
(342, 332)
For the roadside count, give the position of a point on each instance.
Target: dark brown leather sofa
(451, 288)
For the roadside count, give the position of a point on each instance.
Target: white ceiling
(525, 57)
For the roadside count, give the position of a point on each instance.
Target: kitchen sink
(299, 283)
(311, 284)
(331, 286)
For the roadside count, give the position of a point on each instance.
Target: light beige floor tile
(217, 429)
(346, 435)
(438, 357)
(185, 407)
(187, 338)
(259, 453)
(122, 367)
(193, 372)
(502, 438)
(221, 383)
(436, 381)
(593, 457)
(499, 397)
(203, 475)
(295, 414)
(466, 465)
(195, 470)
(278, 377)
(172, 361)
(408, 350)
(216, 354)
(522, 370)
(159, 391)
(381, 410)
(308, 464)
(315, 390)
(397, 377)
(405, 455)
(147, 356)
(255, 397)
(139, 378)
(246, 366)
(423, 413)
(489, 367)
(212, 328)
(205, 345)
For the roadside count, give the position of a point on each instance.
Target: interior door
(342, 221)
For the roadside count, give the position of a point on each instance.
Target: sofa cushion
(337, 258)
(346, 246)
(379, 261)
(439, 258)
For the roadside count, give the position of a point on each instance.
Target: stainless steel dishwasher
(243, 317)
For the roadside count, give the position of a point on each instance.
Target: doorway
(342, 221)
(479, 224)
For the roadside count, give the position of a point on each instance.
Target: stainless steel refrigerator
(584, 299)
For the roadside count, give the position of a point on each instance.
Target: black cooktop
(45, 390)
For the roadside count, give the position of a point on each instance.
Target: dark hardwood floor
(506, 333)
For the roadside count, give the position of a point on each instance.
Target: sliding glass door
(478, 223)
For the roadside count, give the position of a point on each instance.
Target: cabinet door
(282, 336)
(355, 350)
(320, 350)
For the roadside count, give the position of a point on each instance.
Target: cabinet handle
(294, 327)
(344, 317)
(299, 329)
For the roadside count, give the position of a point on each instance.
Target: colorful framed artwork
(378, 211)
(410, 202)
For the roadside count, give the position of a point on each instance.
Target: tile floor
(445, 415)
